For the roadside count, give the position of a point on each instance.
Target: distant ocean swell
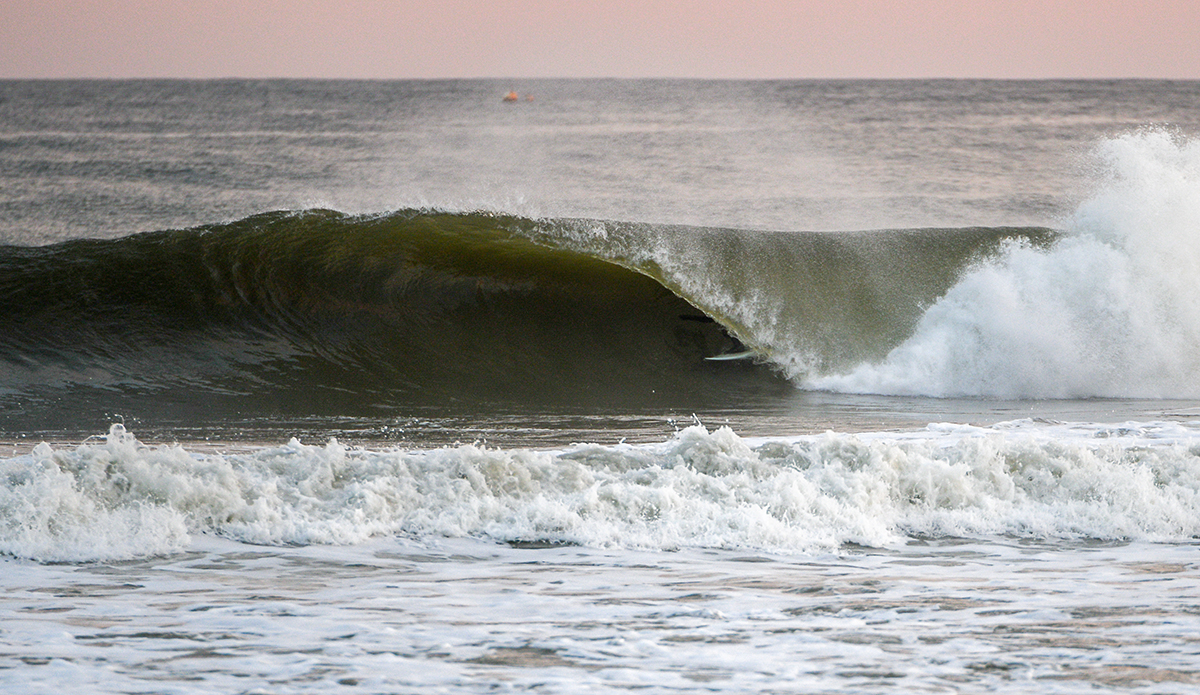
(116, 498)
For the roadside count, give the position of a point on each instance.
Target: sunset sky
(600, 38)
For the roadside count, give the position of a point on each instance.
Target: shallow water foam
(119, 498)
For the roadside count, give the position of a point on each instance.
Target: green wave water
(320, 312)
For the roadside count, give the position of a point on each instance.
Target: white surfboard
(731, 356)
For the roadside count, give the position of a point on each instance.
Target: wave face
(327, 313)
(334, 312)
(115, 498)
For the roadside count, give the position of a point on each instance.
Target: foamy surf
(118, 498)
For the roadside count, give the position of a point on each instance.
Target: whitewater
(119, 499)
(398, 387)
(1113, 310)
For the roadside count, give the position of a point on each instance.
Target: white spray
(1112, 310)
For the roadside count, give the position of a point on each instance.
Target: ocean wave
(117, 498)
(324, 313)
(320, 312)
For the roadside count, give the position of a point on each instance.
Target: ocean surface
(622, 385)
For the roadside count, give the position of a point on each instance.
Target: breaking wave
(1112, 309)
(116, 498)
(321, 312)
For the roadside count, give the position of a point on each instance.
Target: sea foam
(118, 498)
(1111, 310)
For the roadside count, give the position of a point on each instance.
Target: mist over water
(97, 158)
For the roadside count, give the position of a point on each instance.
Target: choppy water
(400, 386)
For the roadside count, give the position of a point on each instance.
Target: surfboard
(731, 356)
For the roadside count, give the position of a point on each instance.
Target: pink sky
(600, 38)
